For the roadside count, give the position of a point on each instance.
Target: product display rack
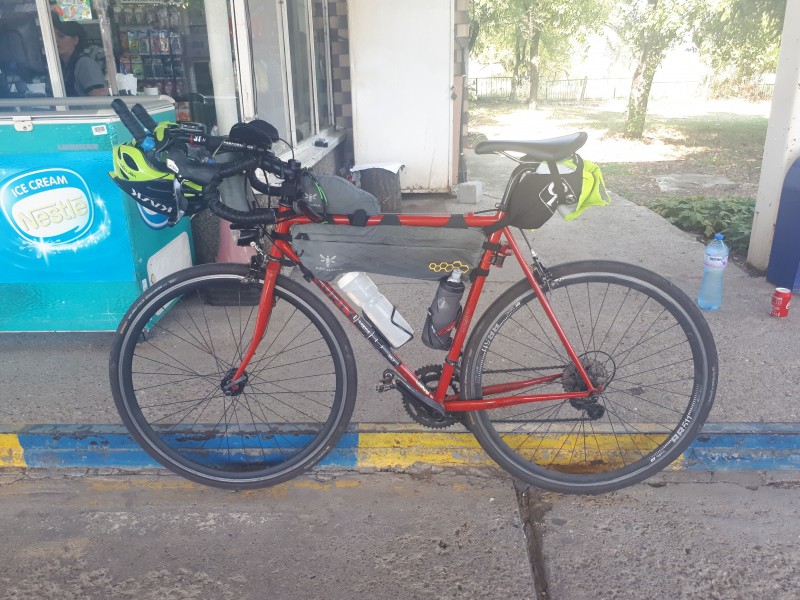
(149, 39)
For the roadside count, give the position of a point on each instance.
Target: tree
(649, 28)
(530, 37)
(740, 39)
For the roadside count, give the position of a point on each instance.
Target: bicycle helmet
(152, 186)
(131, 164)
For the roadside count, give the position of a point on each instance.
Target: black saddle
(552, 149)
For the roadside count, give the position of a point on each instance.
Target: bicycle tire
(638, 334)
(186, 334)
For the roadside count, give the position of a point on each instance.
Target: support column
(224, 81)
(782, 145)
(221, 64)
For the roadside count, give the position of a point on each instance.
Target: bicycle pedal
(387, 383)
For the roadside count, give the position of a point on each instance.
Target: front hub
(231, 387)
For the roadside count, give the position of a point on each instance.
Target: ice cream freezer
(75, 251)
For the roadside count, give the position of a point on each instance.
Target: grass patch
(732, 217)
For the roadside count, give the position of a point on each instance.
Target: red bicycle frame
(281, 250)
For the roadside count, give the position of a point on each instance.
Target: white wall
(401, 66)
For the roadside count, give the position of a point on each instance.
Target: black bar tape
(259, 185)
(129, 121)
(258, 216)
(236, 167)
(144, 117)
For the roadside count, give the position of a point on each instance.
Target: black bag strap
(390, 219)
(456, 221)
(490, 229)
(559, 179)
(359, 218)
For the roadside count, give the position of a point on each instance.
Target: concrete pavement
(731, 536)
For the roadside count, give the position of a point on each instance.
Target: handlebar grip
(239, 166)
(132, 125)
(140, 112)
(258, 216)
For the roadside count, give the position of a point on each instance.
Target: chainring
(423, 415)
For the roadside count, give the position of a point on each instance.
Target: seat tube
(467, 315)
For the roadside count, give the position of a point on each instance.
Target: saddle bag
(538, 192)
(412, 252)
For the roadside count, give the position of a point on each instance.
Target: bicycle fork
(236, 380)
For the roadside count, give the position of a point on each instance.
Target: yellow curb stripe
(599, 452)
(393, 450)
(11, 452)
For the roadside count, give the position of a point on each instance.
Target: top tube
(419, 220)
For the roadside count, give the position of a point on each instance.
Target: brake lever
(181, 203)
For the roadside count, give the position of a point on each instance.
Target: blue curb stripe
(717, 451)
(738, 446)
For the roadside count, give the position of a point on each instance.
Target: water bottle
(714, 264)
(381, 313)
(443, 313)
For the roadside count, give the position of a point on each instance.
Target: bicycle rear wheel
(181, 342)
(636, 334)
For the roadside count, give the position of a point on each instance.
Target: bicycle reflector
(153, 187)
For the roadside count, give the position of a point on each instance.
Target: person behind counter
(82, 75)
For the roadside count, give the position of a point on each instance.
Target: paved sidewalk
(55, 399)
(730, 536)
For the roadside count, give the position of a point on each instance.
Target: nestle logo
(52, 205)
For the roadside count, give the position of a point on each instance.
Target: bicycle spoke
(633, 342)
(293, 403)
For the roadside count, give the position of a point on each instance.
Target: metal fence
(491, 88)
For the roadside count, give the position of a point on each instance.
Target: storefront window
(23, 66)
(319, 14)
(172, 47)
(309, 77)
(165, 47)
(299, 45)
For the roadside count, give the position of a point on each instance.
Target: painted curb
(719, 447)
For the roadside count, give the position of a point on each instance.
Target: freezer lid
(83, 109)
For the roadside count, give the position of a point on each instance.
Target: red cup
(781, 298)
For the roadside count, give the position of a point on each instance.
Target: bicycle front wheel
(181, 342)
(636, 334)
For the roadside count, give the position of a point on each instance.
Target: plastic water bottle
(443, 313)
(716, 259)
(382, 314)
